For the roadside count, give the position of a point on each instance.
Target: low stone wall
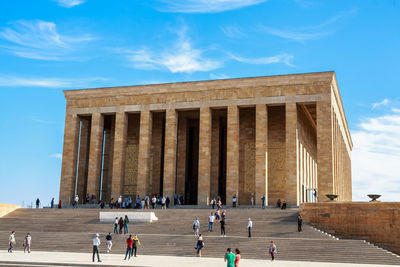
(376, 222)
(142, 217)
(7, 208)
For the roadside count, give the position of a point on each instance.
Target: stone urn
(331, 197)
(374, 197)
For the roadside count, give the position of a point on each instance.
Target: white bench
(143, 217)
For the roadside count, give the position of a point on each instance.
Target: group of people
(232, 259)
(132, 242)
(12, 242)
(140, 203)
(121, 223)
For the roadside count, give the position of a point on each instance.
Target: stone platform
(44, 258)
(134, 217)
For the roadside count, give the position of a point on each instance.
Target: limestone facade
(285, 137)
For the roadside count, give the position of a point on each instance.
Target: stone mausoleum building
(285, 137)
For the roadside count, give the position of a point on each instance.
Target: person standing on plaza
(126, 222)
(167, 201)
(11, 241)
(219, 203)
(278, 203)
(129, 244)
(237, 259)
(135, 244)
(196, 227)
(52, 203)
(60, 204)
(96, 244)
(163, 203)
(222, 222)
(27, 243)
(252, 200)
(263, 201)
(37, 203)
(153, 202)
(234, 201)
(217, 215)
(223, 215)
(109, 242)
(229, 258)
(199, 245)
(116, 225)
(76, 200)
(213, 203)
(249, 226)
(299, 223)
(119, 201)
(272, 250)
(211, 222)
(120, 224)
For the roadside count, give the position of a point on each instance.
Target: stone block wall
(132, 155)
(276, 154)
(247, 156)
(376, 222)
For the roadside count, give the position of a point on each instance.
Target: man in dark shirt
(299, 223)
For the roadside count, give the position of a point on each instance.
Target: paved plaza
(42, 258)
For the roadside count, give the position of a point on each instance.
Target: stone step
(72, 230)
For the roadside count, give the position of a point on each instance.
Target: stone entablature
(234, 123)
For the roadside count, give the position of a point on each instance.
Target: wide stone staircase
(73, 229)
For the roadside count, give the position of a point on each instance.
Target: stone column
(119, 154)
(171, 118)
(70, 151)
(324, 150)
(291, 155)
(95, 151)
(203, 195)
(261, 153)
(144, 152)
(232, 154)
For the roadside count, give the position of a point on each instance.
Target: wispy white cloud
(205, 6)
(39, 39)
(281, 58)
(312, 32)
(232, 31)
(384, 102)
(19, 81)
(180, 57)
(376, 157)
(56, 156)
(69, 3)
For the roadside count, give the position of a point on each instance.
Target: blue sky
(50, 45)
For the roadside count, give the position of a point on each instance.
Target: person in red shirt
(129, 245)
(237, 259)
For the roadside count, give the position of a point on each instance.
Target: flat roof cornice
(276, 80)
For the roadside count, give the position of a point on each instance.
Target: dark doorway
(162, 156)
(222, 160)
(192, 161)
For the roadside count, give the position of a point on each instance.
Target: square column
(171, 119)
(324, 150)
(261, 154)
(232, 154)
(203, 195)
(95, 151)
(70, 151)
(291, 155)
(144, 152)
(119, 154)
